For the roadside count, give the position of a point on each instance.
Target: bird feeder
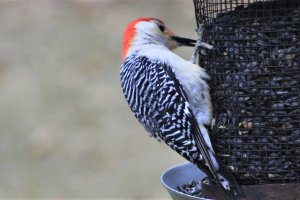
(255, 89)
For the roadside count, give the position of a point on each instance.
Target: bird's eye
(161, 28)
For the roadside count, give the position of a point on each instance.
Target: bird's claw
(199, 44)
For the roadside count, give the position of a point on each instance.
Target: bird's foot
(199, 44)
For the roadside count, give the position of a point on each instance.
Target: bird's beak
(184, 41)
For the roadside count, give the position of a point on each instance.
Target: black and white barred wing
(161, 105)
(177, 118)
(138, 78)
(181, 126)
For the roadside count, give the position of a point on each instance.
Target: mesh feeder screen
(255, 86)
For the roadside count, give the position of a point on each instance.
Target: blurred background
(65, 128)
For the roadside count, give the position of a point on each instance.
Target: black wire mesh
(255, 86)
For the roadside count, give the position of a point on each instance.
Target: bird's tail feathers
(214, 169)
(229, 183)
(218, 171)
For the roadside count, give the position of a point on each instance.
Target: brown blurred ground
(65, 128)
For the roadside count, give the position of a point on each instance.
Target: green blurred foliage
(66, 130)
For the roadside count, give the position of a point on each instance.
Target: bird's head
(144, 31)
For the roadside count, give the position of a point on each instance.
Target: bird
(170, 96)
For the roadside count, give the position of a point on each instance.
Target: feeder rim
(177, 191)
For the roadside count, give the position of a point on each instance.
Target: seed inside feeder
(255, 88)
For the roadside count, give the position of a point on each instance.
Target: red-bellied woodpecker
(170, 96)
